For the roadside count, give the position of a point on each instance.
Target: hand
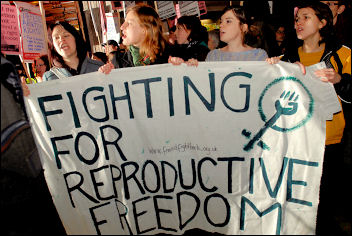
(192, 62)
(25, 89)
(175, 60)
(106, 69)
(303, 68)
(328, 75)
(272, 60)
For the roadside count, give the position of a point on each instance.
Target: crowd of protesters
(320, 35)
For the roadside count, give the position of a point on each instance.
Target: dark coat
(195, 49)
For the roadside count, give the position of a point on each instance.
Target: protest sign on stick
(32, 31)
(10, 34)
(228, 147)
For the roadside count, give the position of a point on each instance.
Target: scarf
(137, 59)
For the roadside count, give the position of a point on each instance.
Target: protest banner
(227, 147)
(32, 31)
(10, 34)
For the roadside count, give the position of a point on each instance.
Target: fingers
(303, 68)
(328, 75)
(192, 62)
(106, 69)
(25, 89)
(272, 60)
(175, 60)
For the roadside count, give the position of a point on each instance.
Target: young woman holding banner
(313, 24)
(69, 55)
(142, 33)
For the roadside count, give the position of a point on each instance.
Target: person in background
(41, 65)
(68, 58)
(279, 47)
(314, 27)
(280, 38)
(110, 46)
(142, 33)
(341, 12)
(100, 56)
(191, 39)
(214, 39)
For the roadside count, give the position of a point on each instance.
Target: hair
(80, 45)
(154, 43)
(192, 23)
(45, 59)
(242, 17)
(102, 56)
(323, 12)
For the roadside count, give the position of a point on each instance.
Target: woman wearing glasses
(41, 65)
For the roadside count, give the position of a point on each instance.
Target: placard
(227, 147)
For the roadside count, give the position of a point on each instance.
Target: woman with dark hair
(69, 54)
(314, 29)
(191, 39)
(41, 65)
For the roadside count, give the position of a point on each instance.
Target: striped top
(256, 54)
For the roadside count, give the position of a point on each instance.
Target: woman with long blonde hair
(142, 33)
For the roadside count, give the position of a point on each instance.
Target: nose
(123, 26)
(61, 39)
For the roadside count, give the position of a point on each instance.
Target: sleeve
(343, 88)
(210, 56)
(262, 55)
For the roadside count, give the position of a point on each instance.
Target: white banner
(228, 147)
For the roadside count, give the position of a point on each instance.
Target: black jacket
(195, 49)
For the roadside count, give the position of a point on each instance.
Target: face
(133, 33)
(182, 34)
(40, 67)
(280, 34)
(307, 24)
(110, 48)
(230, 28)
(64, 42)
